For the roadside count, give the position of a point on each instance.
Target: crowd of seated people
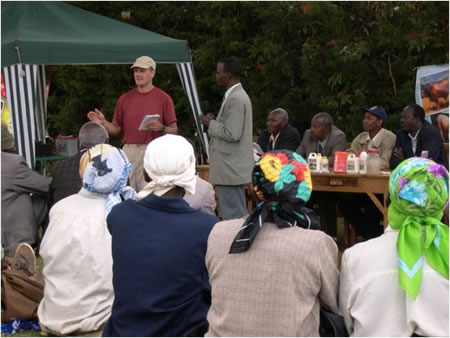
(158, 262)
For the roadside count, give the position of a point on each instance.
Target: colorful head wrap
(282, 184)
(418, 190)
(105, 171)
(169, 161)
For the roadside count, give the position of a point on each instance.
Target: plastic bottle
(373, 162)
(319, 162)
(352, 165)
(363, 162)
(312, 162)
(325, 165)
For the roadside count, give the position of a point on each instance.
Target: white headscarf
(169, 161)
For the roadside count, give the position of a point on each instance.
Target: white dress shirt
(372, 302)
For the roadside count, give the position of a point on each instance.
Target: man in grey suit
(324, 138)
(24, 199)
(231, 145)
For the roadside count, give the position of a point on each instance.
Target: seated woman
(397, 284)
(76, 247)
(160, 280)
(270, 273)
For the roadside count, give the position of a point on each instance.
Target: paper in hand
(147, 119)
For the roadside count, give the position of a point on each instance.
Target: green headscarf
(418, 190)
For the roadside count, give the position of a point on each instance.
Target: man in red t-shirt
(131, 108)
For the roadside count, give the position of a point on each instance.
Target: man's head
(144, 70)
(91, 134)
(228, 71)
(276, 120)
(321, 124)
(412, 117)
(374, 119)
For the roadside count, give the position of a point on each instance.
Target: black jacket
(289, 139)
(428, 139)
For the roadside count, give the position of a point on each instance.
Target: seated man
(24, 195)
(271, 272)
(417, 135)
(324, 138)
(160, 281)
(66, 176)
(397, 285)
(76, 247)
(374, 136)
(204, 198)
(279, 133)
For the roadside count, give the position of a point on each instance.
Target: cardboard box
(66, 145)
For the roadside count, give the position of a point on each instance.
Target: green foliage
(303, 56)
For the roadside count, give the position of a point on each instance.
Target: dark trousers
(326, 202)
(362, 213)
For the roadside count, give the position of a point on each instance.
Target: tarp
(54, 33)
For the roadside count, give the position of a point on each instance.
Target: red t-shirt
(131, 108)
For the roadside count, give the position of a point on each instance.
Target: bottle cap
(373, 151)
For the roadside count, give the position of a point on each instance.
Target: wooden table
(357, 183)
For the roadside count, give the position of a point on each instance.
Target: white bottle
(312, 162)
(352, 164)
(319, 162)
(324, 165)
(363, 162)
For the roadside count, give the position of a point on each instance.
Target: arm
(97, 116)
(29, 181)
(345, 284)
(301, 149)
(231, 127)
(387, 147)
(327, 255)
(397, 154)
(209, 203)
(432, 142)
(262, 141)
(158, 126)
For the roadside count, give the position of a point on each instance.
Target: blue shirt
(160, 279)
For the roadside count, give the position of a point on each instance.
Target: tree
(303, 56)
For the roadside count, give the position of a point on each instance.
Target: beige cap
(144, 62)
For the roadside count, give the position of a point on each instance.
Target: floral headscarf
(282, 184)
(105, 171)
(418, 189)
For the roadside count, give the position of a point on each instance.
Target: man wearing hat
(374, 136)
(131, 108)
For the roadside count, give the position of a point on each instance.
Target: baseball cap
(378, 111)
(144, 62)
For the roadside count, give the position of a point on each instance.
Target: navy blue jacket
(428, 139)
(160, 280)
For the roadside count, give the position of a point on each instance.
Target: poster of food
(432, 89)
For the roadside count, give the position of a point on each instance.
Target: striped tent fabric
(186, 73)
(25, 85)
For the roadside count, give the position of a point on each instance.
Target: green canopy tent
(35, 34)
